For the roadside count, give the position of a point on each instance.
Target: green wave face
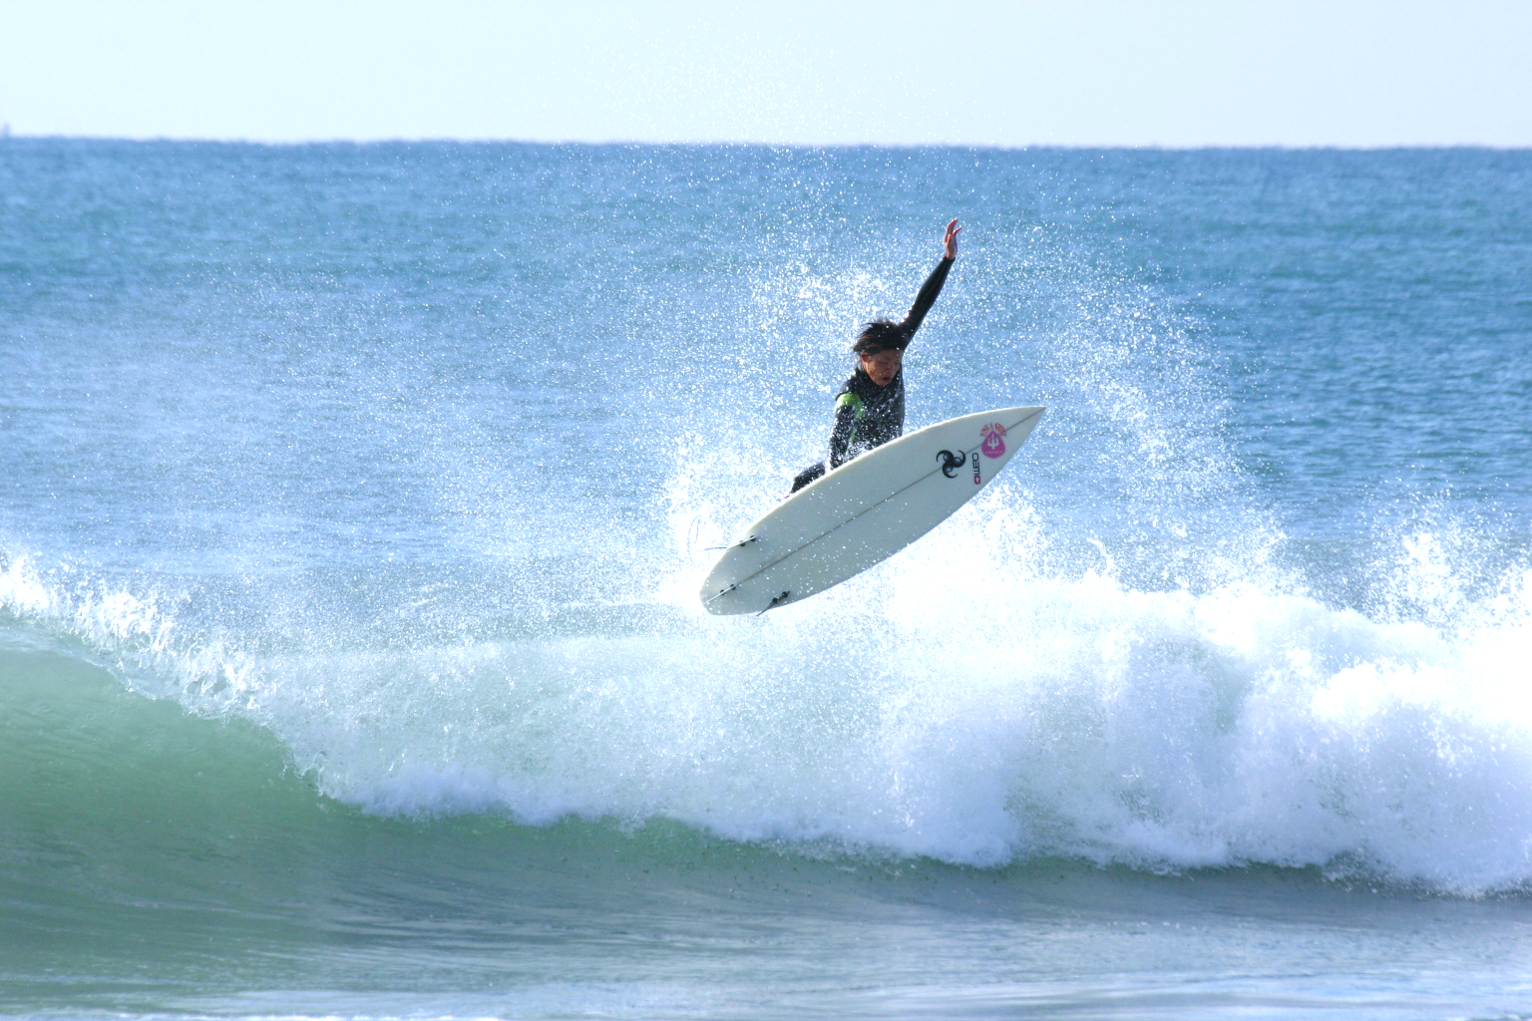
(134, 835)
(154, 862)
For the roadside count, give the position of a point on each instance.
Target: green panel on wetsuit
(858, 412)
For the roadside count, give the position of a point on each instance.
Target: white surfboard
(864, 512)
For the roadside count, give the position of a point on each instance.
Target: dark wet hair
(880, 335)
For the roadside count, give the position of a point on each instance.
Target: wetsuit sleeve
(849, 412)
(925, 299)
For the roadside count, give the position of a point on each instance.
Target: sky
(1179, 73)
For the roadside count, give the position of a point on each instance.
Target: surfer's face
(882, 367)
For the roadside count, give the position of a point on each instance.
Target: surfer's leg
(806, 476)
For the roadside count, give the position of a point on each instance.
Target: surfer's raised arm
(933, 285)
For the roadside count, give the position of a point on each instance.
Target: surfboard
(863, 512)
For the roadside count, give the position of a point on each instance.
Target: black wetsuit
(868, 415)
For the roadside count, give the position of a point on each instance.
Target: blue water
(353, 501)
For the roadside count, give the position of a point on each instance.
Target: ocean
(354, 501)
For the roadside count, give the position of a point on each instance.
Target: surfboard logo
(950, 462)
(994, 439)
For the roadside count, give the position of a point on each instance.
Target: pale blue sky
(1091, 73)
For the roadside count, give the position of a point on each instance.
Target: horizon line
(6, 134)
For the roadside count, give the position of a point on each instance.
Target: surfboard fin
(747, 540)
(775, 601)
(725, 592)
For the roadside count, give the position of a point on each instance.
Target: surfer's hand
(949, 243)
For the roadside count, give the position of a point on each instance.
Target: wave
(954, 703)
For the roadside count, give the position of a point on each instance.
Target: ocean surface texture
(354, 499)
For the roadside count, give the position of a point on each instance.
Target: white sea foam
(957, 702)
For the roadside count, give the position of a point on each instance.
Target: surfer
(869, 410)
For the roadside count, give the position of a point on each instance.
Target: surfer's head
(880, 346)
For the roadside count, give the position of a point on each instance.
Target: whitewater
(355, 499)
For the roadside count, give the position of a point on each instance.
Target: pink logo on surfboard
(994, 439)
